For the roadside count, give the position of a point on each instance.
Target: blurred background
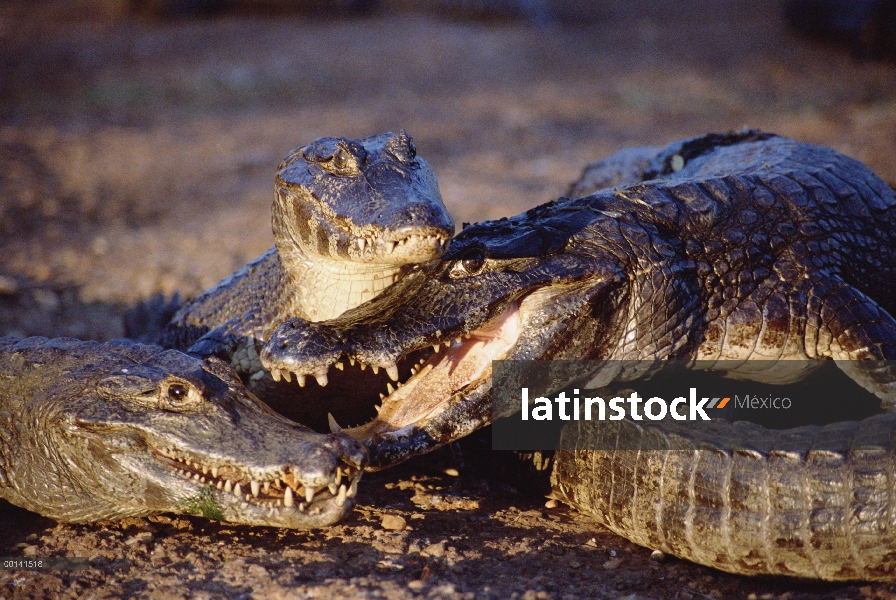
(139, 138)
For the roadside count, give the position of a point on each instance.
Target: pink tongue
(432, 388)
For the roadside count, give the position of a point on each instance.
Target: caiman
(733, 246)
(92, 431)
(348, 217)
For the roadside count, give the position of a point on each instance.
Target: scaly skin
(348, 216)
(92, 431)
(726, 247)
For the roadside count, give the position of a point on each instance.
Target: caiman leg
(853, 330)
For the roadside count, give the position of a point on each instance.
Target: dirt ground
(137, 156)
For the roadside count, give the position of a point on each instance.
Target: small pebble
(416, 585)
(29, 550)
(612, 564)
(393, 523)
(550, 503)
(435, 550)
(658, 556)
(452, 472)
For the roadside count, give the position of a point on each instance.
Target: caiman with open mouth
(736, 246)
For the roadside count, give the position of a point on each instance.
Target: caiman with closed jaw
(92, 431)
(738, 246)
(348, 217)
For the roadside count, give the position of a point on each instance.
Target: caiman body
(92, 431)
(721, 248)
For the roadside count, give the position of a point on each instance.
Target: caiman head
(545, 284)
(371, 200)
(131, 430)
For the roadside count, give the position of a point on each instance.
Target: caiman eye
(177, 394)
(345, 159)
(470, 264)
(341, 159)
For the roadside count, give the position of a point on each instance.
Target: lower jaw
(449, 378)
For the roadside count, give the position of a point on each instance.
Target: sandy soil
(137, 156)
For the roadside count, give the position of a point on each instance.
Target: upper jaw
(277, 495)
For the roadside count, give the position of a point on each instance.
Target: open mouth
(280, 488)
(421, 383)
(436, 381)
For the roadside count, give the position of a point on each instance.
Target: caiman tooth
(322, 380)
(392, 372)
(338, 475)
(197, 466)
(353, 489)
(362, 243)
(275, 374)
(435, 347)
(351, 362)
(333, 488)
(288, 497)
(340, 498)
(339, 366)
(196, 477)
(378, 408)
(389, 388)
(238, 490)
(204, 470)
(413, 370)
(363, 366)
(202, 480)
(266, 486)
(458, 341)
(382, 396)
(286, 375)
(309, 494)
(215, 472)
(390, 247)
(220, 485)
(256, 487)
(334, 426)
(228, 487)
(375, 369)
(301, 507)
(300, 379)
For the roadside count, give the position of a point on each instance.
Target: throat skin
(323, 288)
